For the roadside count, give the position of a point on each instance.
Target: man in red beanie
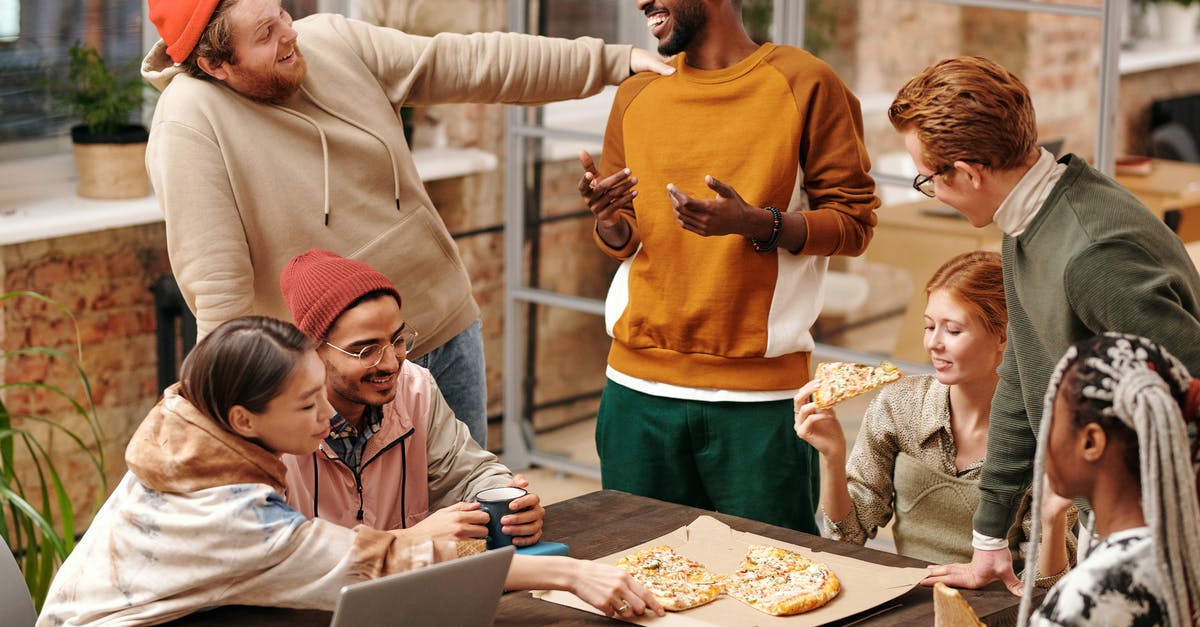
(272, 137)
(394, 453)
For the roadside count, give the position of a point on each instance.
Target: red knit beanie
(319, 285)
(180, 23)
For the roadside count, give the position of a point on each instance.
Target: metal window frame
(520, 450)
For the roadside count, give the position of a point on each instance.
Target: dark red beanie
(319, 285)
(180, 23)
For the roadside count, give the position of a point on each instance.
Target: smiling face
(295, 421)
(351, 386)
(674, 23)
(959, 344)
(953, 187)
(266, 64)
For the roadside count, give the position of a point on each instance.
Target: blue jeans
(458, 368)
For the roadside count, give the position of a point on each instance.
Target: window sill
(38, 200)
(1151, 55)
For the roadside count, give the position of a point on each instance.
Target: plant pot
(1177, 23)
(111, 165)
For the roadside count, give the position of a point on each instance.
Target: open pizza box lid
(714, 544)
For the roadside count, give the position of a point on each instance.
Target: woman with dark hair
(1115, 435)
(917, 460)
(201, 519)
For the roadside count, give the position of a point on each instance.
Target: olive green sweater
(1093, 259)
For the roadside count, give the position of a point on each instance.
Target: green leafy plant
(819, 21)
(104, 99)
(1186, 3)
(28, 508)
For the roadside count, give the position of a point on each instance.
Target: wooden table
(1172, 191)
(919, 237)
(602, 523)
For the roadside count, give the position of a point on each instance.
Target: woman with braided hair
(1115, 435)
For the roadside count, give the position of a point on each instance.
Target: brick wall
(103, 279)
(1141, 89)
(1057, 56)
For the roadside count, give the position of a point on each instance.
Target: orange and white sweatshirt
(708, 318)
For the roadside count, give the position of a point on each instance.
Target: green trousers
(735, 458)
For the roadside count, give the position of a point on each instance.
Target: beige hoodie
(200, 521)
(244, 186)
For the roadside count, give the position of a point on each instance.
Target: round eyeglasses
(369, 356)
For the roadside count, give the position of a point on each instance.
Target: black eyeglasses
(924, 184)
(369, 356)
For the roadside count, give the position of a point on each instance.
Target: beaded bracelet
(776, 229)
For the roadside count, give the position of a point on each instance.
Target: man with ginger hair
(1081, 256)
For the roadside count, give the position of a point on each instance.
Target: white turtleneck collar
(1029, 194)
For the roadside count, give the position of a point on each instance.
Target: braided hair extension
(1132, 387)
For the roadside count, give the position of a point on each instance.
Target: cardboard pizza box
(712, 543)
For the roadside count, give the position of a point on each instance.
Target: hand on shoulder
(646, 61)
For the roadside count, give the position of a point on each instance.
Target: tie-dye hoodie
(200, 520)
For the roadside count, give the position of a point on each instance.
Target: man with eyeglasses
(1081, 256)
(395, 458)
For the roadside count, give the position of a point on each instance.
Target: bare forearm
(1052, 559)
(544, 572)
(835, 497)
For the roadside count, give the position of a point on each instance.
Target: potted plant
(1177, 20)
(109, 143)
(37, 517)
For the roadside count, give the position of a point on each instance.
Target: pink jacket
(422, 459)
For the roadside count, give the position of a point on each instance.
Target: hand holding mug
(515, 516)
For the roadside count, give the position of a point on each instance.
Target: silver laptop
(465, 591)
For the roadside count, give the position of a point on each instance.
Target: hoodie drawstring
(372, 133)
(316, 484)
(403, 483)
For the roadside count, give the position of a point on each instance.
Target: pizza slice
(950, 609)
(781, 582)
(676, 581)
(841, 380)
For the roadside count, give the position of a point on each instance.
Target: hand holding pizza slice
(841, 380)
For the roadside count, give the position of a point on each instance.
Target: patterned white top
(1116, 585)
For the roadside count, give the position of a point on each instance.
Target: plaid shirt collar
(350, 443)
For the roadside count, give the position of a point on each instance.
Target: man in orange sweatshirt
(711, 308)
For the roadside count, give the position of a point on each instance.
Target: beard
(276, 87)
(355, 388)
(689, 18)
